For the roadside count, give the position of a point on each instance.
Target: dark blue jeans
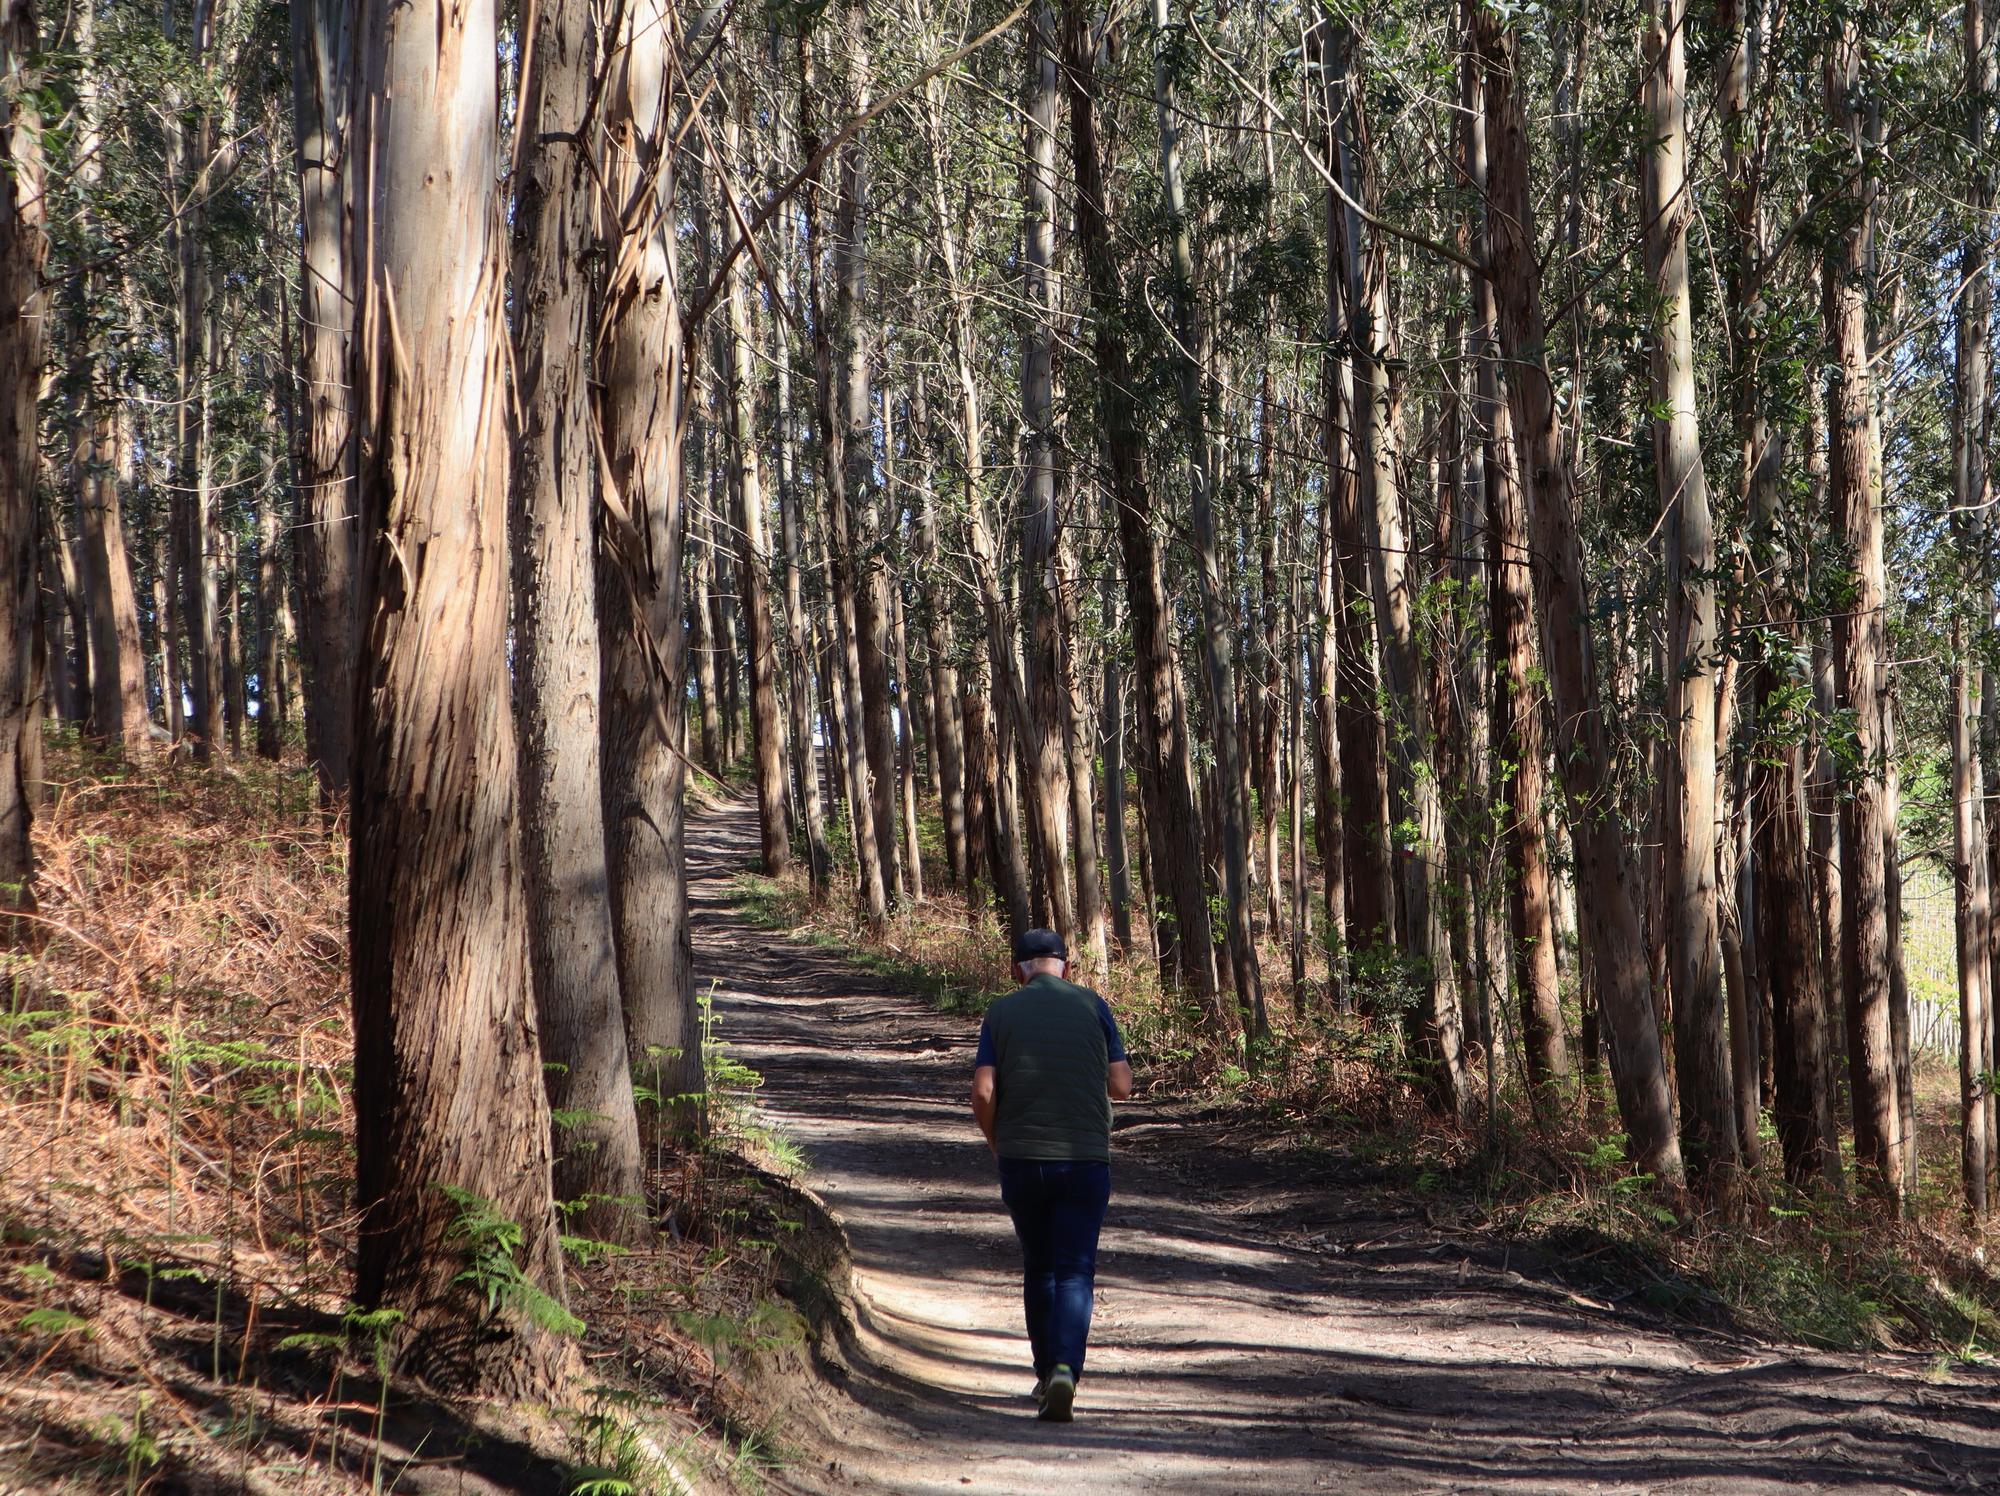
(1058, 1210)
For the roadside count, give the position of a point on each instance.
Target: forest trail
(1252, 1335)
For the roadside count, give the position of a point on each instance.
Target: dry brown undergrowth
(175, 1165)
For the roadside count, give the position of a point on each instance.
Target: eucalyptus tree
(24, 247)
(451, 1119)
(558, 655)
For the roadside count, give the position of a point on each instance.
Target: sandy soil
(1256, 1331)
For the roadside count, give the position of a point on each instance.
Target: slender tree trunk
(1855, 490)
(1518, 748)
(753, 567)
(1037, 707)
(118, 681)
(324, 499)
(1117, 859)
(833, 414)
(572, 946)
(1217, 632)
(451, 1118)
(641, 397)
(1622, 983)
(1413, 779)
(1701, 1028)
(947, 727)
(1185, 946)
(805, 755)
(983, 771)
(24, 249)
(1971, 430)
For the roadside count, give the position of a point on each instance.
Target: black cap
(1038, 945)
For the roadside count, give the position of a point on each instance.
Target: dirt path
(1251, 1335)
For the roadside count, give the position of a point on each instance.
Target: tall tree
(323, 518)
(753, 560)
(451, 1119)
(1701, 1031)
(641, 413)
(572, 946)
(101, 463)
(1217, 631)
(24, 248)
(1859, 636)
(1623, 983)
(1186, 950)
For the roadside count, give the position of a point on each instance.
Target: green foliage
(489, 1241)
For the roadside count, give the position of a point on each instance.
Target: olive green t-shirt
(1051, 1045)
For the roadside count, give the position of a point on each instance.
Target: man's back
(1051, 1044)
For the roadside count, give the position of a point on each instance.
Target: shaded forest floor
(1280, 1310)
(1275, 1313)
(175, 1162)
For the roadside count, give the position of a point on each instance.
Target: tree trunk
(947, 726)
(1217, 633)
(1971, 430)
(24, 249)
(1701, 1029)
(753, 561)
(324, 500)
(1185, 946)
(805, 755)
(1517, 746)
(841, 358)
(452, 1125)
(572, 947)
(1855, 492)
(1622, 983)
(641, 415)
(1413, 780)
(983, 798)
(118, 680)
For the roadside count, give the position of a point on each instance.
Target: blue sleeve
(985, 1055)
(1114, 1045)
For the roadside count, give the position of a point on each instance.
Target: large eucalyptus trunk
(641, 414)
(24, 249)
(451, 1120)
(323, 502)
(1622, 982)
(572, 947)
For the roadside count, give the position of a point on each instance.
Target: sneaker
(1041, 1386)
(1058, 1397)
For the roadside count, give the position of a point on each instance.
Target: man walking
(1050, 1064)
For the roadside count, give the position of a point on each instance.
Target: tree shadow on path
(1225, 1358)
